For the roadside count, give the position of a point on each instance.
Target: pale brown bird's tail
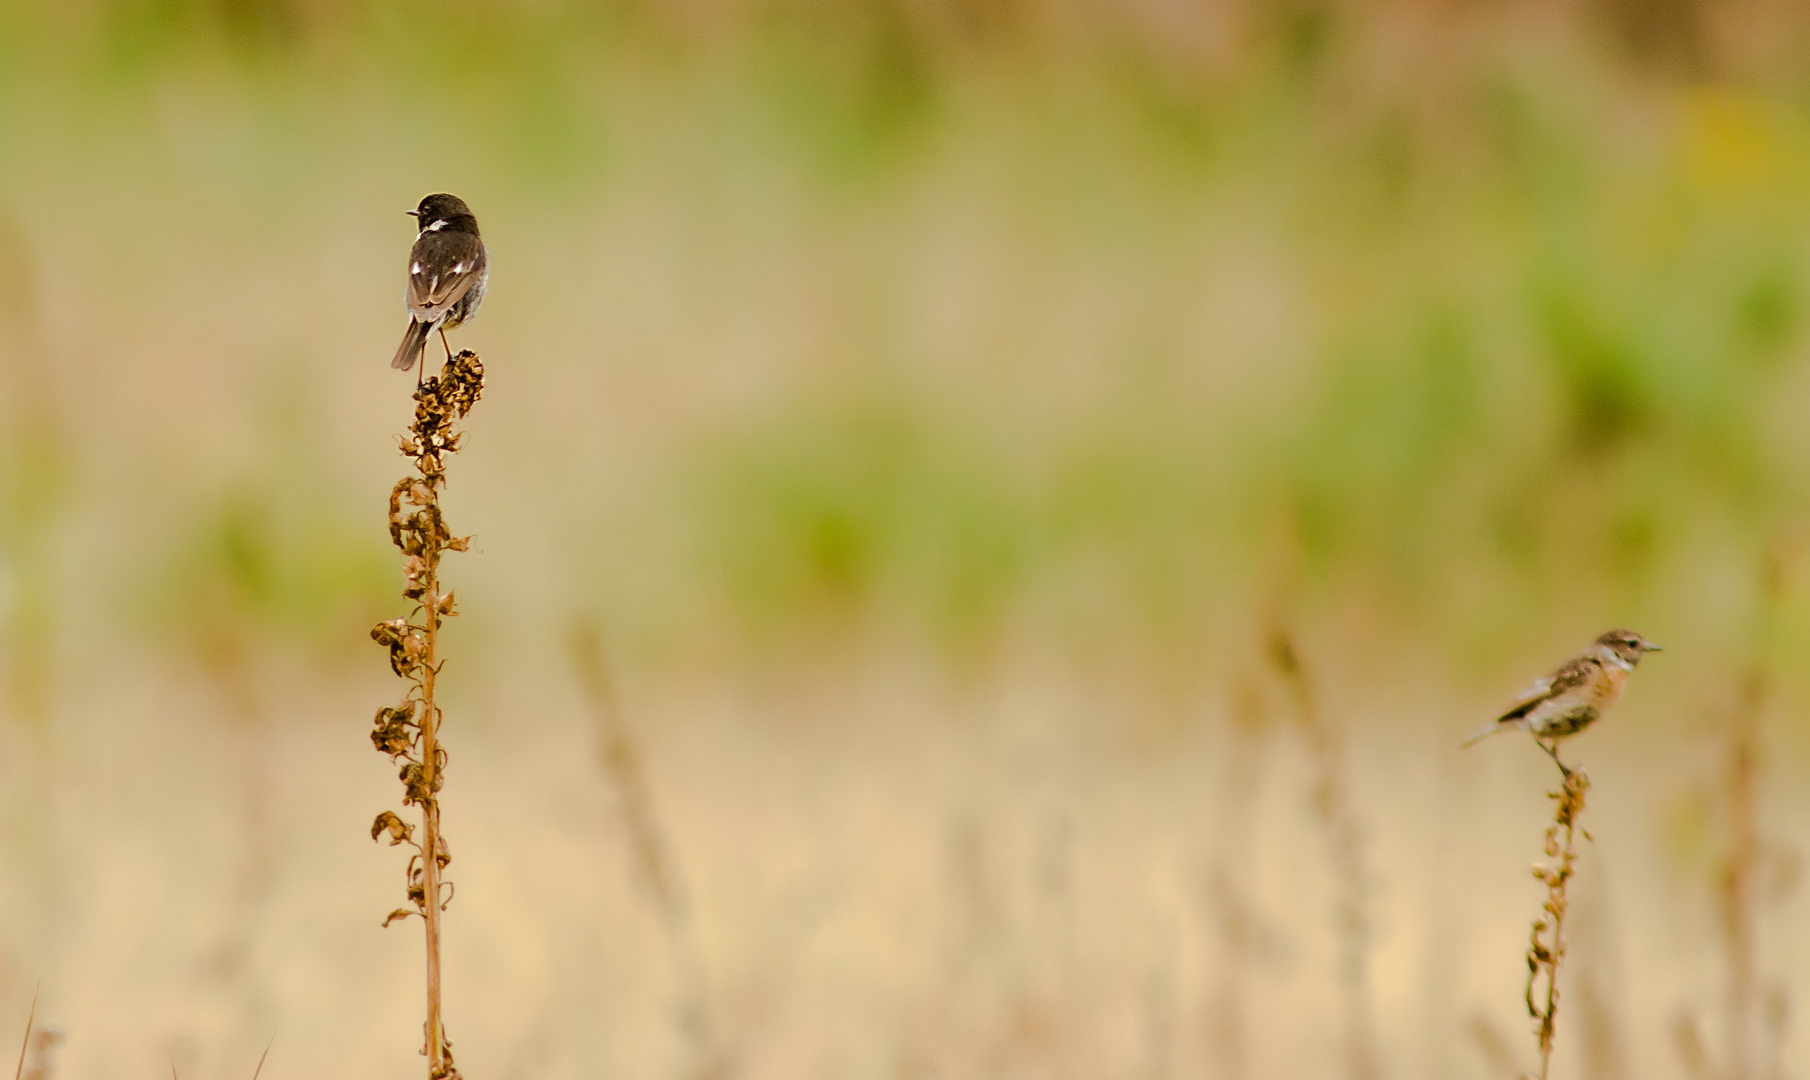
(1485, 733)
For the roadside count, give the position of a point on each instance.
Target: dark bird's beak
(412, 213)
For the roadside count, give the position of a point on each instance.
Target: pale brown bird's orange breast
(1606, 688)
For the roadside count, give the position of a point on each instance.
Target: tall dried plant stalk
(1244, 938)
(652, 856)
(1753, 1034)
(1546, 945)
(1738, 880)
(1335, 812)
(409, 732)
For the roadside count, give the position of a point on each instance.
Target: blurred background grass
(940, 406)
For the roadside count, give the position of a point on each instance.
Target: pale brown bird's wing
(1574, 674)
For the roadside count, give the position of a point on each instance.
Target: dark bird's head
(1627, 645)
(444, 211)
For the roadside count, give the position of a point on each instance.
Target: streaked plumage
(1577, 694)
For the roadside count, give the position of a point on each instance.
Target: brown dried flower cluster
(409, 731)
(1546, 945)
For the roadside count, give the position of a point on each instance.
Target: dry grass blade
(30, 1021)
(261, 1057)
(1335, 813)
(1739, 877)
(1693, 1056)
(1494, 1049)
(652, 856)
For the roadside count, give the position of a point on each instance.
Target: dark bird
(1576, 695)
(448, 271)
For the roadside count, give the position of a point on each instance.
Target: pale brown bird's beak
(1650, 647)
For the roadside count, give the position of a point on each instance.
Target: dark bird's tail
(412, 344)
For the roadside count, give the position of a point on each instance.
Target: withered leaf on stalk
(404, 643)
(414, 783)
(393, 731)
(398, 829)
(399, 913)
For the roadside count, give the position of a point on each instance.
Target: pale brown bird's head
(1627, 645)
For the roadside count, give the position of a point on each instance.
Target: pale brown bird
(1576, 695)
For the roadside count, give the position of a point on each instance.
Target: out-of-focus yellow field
(939, 410)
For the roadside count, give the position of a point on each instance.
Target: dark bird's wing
(442, 268)
(1574, 674)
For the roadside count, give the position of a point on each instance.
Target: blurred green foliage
(276, 561)
(1541, 298)
(870, 505)
(1549, 366)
